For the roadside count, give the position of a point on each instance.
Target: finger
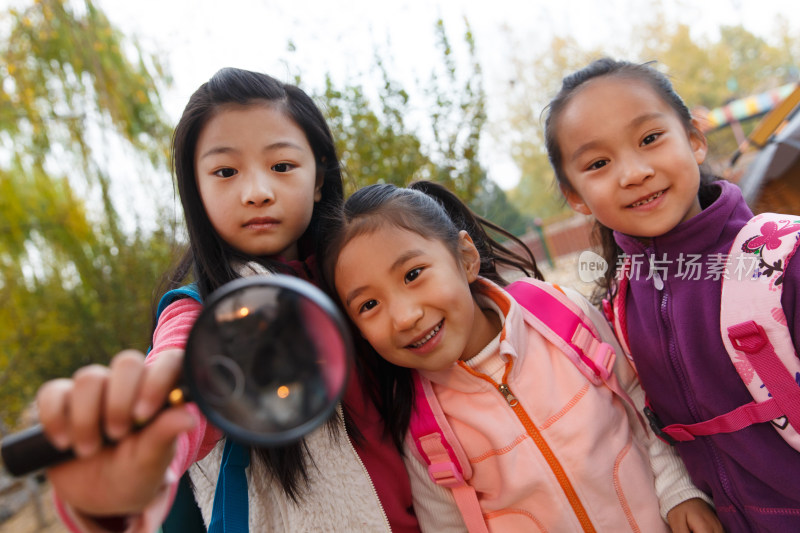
(153, 448)
(85, 411)
(677, 518)
(679, 526)
(158, 380)
(52, 404)
(122, 389)
(704, 524)
(157, 444)
(705, 521)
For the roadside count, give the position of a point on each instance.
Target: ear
(320, 180)
(469, 256)
(574, 200)
(698, 142)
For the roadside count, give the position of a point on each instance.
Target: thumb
(156, 442)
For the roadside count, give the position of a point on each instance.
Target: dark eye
(413, 274)
(367, 306)
(650, 138)
(282, 167)
(598, 164)
(226, 172)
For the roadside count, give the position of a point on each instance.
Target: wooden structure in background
(767, 164)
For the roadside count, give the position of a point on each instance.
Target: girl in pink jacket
(548, 450)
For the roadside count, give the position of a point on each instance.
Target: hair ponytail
(492, 252)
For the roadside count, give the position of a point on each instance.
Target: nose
(257, 189)
(406, 312)
(634, 170)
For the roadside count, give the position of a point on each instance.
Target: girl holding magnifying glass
(255, 165)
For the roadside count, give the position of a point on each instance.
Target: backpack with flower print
(754, 331)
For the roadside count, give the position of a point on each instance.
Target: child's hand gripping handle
(30, 450)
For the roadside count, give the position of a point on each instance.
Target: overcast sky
(197, 37)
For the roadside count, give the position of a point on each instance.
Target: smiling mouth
(427, 337)
(647, 200)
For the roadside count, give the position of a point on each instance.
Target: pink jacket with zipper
(566, 459)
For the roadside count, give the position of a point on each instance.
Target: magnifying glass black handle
(29, 450)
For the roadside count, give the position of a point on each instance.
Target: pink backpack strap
(438, 446)
(753, 326)
(755, 332)
(558, 314)
(562, 322)
(751, 339)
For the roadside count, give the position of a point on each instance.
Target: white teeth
(647, 200)
(428, 337)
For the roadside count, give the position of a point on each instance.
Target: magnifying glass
(266, 362)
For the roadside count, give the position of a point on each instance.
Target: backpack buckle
(657, 426)
(446, 474)
(604, 357)
(600, 354)
(748, 337)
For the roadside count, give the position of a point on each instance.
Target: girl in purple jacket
(626, 149)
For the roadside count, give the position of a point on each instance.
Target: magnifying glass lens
(264, 361)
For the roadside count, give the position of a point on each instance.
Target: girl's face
(410, 297)
(628, 158)
(257, 177)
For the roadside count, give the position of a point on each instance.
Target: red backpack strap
(785, 403)
(614, 309)
(438, 446)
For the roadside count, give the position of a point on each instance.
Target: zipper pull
(507, 394)
(658, 282)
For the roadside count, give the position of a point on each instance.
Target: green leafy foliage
(75, 286)
(376, 145)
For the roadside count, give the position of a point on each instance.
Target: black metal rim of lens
(304, 289)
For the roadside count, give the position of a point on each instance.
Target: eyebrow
(641, 119)
(228, 149)
(410, 254)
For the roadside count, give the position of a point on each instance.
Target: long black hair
(431, 210)
(209, 259)
(662, 86)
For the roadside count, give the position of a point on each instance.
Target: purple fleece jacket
(753, 475)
